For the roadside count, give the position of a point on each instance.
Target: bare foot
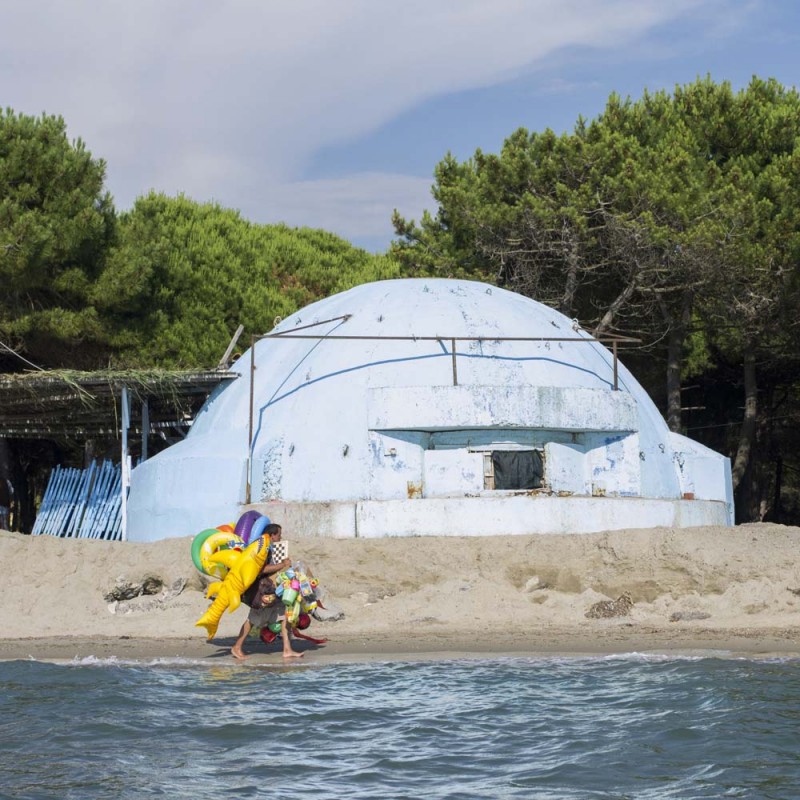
(236, 652)
(293, 654)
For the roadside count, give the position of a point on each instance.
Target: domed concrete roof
(316, 400)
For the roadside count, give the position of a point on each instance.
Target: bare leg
(236, 650)
(288, 650)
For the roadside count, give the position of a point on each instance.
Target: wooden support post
(125, 482)
(223, 362)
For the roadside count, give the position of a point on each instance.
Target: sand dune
(728, 589)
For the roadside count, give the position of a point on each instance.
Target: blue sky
(330, 114)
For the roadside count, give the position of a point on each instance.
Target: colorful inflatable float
(235, 556)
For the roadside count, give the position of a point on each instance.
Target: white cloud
(231, 100)
(356, 206)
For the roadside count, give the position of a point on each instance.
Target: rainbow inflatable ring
(208, 544)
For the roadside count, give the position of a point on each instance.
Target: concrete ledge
(471, 406)
(489, 516)
(326, 520)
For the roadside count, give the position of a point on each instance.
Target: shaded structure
(431, 406)
(68, 405)
(83, 414)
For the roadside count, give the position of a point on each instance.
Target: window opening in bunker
(514, 469)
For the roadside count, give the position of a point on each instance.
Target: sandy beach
(726, 591)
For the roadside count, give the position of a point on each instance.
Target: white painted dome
(352, 419)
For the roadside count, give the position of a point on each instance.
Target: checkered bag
(279, 551)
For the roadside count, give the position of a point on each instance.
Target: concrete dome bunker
(400, 428)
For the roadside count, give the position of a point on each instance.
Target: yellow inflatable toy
(211, 547)
(243, 569)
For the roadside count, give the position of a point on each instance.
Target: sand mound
(685, 586)
(738, 577)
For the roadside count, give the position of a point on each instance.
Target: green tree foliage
(186, 274)
(751, 316)
(56, 225)
(165, 284)
(522, 218)
(674, 216)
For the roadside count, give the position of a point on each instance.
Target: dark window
(517, 469)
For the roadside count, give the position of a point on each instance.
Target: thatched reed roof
(72, 405)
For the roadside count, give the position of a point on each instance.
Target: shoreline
(615, 640)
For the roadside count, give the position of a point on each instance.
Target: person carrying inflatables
(261, 586)
(266, 610)
(275, 532)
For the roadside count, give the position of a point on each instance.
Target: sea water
(612, 727)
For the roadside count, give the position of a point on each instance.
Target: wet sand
(754, 643)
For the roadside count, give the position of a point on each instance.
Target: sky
(332, 113)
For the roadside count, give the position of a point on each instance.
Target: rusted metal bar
(455, 368)
(624, 339)
(282, 335)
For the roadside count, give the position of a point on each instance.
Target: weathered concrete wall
(613, 464)
(450, 472)
(486, 516)
(445, 463)
(703, 473)
(566, 468)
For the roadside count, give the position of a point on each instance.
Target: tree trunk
(11, 470)
(573, 263)
(748, 430)
(618, 303)
(89, 452)
(5, 485)
(675, 342)
(674, 352)
(5, 459)
(26, 500)
(776, 496)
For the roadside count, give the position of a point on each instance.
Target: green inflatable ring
(197, 543)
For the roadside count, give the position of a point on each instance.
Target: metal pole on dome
(250, 425)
